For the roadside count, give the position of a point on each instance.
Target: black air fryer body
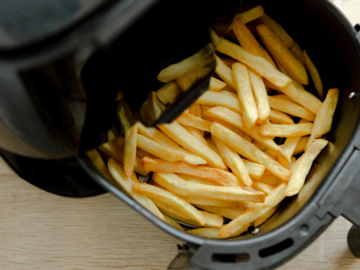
(59, 81)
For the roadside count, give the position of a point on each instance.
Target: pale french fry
(257, 63)
(197, 133)
(115, 151)
(140, 153)
(298, 177)
(173, 223)
(220, 99)
(182, 187)
(127, 183)
(130, 149)
(224, 72)
(314, 74)
(269, 179)
(168, 92)
(208, 173)
(190, 143)
(250, 215)
(292, 162)
(110, 135)
(255, 170)
(157, 149)
(260, 146)
(170, 200)
(198, 180)
(260, 95)
(193, 121)
(266, 216)
(212, 220)
(234, 162)
(99, 164)
(167, 210)
(230, 213)
(280, 117)
(291, 108)
(212, 202)
(296, 51)
(251, 14)
(267, 189)
(216, 84)
(300, 147)
(241, 79)
(284, 97)
(282, 54)
(158, 136)
(278, 30)
(204, 109)
(192, 63)
(323, 121)
(212, 145)
(210, 233)
(229, 93)
(235, 119)
(295, 130)
(249, 151)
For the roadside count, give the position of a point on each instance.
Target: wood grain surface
(39, 230)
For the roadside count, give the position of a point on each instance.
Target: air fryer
(64, 81)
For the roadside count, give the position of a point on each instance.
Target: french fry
(230, 213)
(145, 113)
(140, 153)
(282, 54)
(267, 189)
(220, 99)
(130, 149)
(197, 133)
(192, 63)
(257, 63)
(323, 121)
(190, 143)
(208, 173)
(228, 61)
(269, 179)
(250, 215)
(204, 109)
(216, 84)
(212, 202)
(198, 180)
(173, 223)
(168, 92)
(229, 93)
(241, 79)
(157, 149)
(212, 145)
(193, 121)
(296, 51)
(298, 177)
(278, 30)
(99, 164)
(127, 183)
(251, 14)
(255, 170)
(224, 72)
(186, 81)
(314, 74)
(170, 200)
(291, 108)
(210, 233)
(212, 220)
(266, 216)
(280, 117)
(235, 119)
(300, 147)
(295, 130)
(249, 151)
(182, 187)
(115, 151)
(110, 135)
(234, 162)
(158, 136)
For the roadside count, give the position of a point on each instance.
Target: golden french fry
(210, 233)
(168, 92)
(204, 109)
(173, 223)
(250, 215)
(197, 133)
(192, 63)
(212, 220)
(115, 151)
(300, 147)
(198, 180)
(220, 99)
(140, 153)
(212, 202)
(186, 81)
(224, 72)
(158, 136)
(130, 149)
(265, 188)
(260, 95)
(291, 108)
(282, 54)
(212, 145)
(314, 74)
(127, 183)
(303, 167)
(216, 84)
(190, 143)
(255, 170)
(266, 216)
(99, 164)
(182, 187)
(249, 151)
(323, 121)
(251, 14)
(230, 213)
(284, 97)
(193, 121)
(208, 173)
(257, 63)
(241, 79)
(280, 117)
(295, 130)
(278, 30)
(235, 119)
(269, 179)
(157, 149)
(170, 200)
(234, 162)
(296, 51)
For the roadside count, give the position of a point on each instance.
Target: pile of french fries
(220, 159)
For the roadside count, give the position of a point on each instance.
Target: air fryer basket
(332, 187)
